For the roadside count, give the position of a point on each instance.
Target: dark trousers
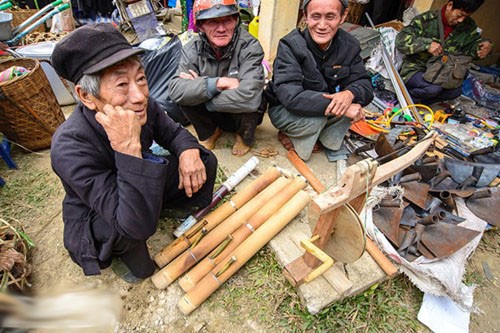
(108, 243)
(427, 93)
(205, 122)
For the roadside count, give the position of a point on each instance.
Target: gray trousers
(304, 132)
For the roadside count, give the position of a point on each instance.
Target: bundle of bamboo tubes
(250, 216)
(213, 219)
(235, 259)
(268, 203)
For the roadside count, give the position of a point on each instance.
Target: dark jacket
(242, 59)
(123, 190)
(302, 73)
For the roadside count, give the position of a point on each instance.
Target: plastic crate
(5, 27)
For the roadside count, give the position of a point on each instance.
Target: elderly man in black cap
(319, 81)
(115, 187)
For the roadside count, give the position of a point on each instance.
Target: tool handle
(35, 24)
(377, 255)
(304, 170)
(5, 6)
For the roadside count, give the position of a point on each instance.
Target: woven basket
(356, 10)
(21, 15)
(29, 112)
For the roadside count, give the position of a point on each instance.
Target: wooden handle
(377, 255)
(304, 170)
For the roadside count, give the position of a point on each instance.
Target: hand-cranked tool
(328, 212)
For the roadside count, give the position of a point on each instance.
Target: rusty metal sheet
(444, 239)
(486, 208)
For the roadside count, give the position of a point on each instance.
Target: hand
(483, 49)
(355, 112)
(435, 49)
(190, 76)
(123, 129)
(339, 104)
(192, 173)
(225, 83)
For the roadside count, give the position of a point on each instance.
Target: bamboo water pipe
(237, 237)
(236, 259)
(201, 248)
(214, 218)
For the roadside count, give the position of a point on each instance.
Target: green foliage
(261, 292)
(28, 191)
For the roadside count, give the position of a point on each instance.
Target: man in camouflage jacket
(420, 40)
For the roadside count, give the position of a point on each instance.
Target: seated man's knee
(419, 88)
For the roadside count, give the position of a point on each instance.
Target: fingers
(184, 75)
(339, 109)
(193, 73)
(484, 49)
(339, 104)
(192, 183)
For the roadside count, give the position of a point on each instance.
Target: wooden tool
(352, 189)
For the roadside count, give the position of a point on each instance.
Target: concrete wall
(277, 18)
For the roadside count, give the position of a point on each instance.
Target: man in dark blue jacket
(319, 81)
(115, 188)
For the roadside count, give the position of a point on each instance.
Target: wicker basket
(21, 15)
(29, 112)
(356, 10)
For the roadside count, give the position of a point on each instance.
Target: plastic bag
(376, 63)
(160, 66)
(480, 92)
(63, 22)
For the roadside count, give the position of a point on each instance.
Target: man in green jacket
(420, 40)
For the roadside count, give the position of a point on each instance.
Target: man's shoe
(123, 272)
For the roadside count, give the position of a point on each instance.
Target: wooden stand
(352, 189)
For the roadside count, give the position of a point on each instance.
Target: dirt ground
(147, 309)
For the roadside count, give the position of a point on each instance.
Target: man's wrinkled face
(454, 16)
(219, 30)
(323, 18)
(125, 85)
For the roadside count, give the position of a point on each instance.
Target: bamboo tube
(236, 259)
(243, 232)
(214, 218)
(191, 256)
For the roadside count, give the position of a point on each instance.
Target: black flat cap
(90, 49)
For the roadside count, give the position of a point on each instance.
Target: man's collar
(209, 49)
